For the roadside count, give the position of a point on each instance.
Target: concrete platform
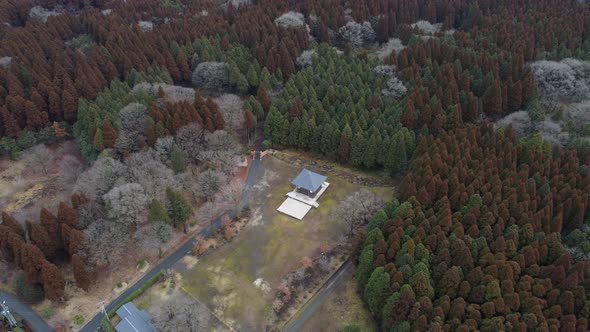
(294, 208)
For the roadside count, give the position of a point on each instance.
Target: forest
(490, 227)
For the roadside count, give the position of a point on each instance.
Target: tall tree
(180, 210)
(67, 215)
(343, 148)
(53, 282)
(263, 98)
(377, 290)
(32, 260)
(10, 222)
(81, 273)
(109, 134)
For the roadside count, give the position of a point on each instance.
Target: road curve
(169, 261)
(296, 323)
(25, 312)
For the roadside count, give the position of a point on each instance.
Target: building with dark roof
(308, 182)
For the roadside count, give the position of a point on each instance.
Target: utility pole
(105, 311)
(6, 313)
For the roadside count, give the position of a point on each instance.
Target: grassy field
(341, 308)
(270, 247)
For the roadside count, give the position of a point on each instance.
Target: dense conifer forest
(490, 229)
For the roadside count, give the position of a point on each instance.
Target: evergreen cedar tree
(468, 248)
(34, 96)
(477, 246)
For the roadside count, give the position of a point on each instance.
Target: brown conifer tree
(67, 215)
(343, 148)
(296, 108)
(51, 225)
(408, 115)
(218, 120)
(109, 134)
(263, 97)
(10, 222)
(32, 260)
(81, 274)
(41, 239)
(185, 71)
(11, 127)
(53, 282)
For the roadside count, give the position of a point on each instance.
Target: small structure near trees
(309, 187)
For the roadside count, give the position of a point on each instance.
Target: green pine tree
(98, 140)
(365, 267)
(357, 150)
(158, 212)
(377, 290)
(178, 160)
(252, 76)
(294, 131)
(180, 210)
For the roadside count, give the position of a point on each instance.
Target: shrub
(78, 320)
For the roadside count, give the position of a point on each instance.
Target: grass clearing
(341, 308)
(268, 249)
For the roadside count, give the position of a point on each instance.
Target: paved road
(169, 261)
(295, 324)
(25, 312)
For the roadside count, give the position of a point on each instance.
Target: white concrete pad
(294, 208)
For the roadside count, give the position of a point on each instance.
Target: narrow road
(296, 323)
(25, 312)
(169, 261)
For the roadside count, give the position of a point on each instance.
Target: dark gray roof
(133, 319)
(309, 180)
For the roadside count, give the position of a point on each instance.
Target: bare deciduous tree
(127, 141)
(180, 313)
(69, 170)
(152, 237)
(125, 202)
(208, 184)
(145, 169)
(104, 243)
(163, 148)
(89, 213)
(39, 158)
(232, 107)
(358, 208)
(100, 178)
(191, 140)
(232, 194)
(210, 75)
(133, 117)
